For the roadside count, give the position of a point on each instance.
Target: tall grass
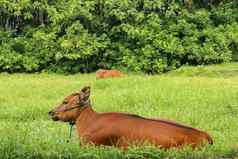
(206, 102)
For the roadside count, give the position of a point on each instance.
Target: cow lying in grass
(101, 73)
(122, 130)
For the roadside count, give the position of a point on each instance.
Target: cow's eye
(65, 102)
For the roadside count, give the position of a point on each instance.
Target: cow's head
(72, 106)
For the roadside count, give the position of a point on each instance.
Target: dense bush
(141, 35)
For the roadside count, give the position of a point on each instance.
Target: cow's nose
(51, 113)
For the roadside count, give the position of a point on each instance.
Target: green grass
(199, 97)
(221, 70)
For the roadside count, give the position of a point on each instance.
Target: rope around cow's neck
(71, 124)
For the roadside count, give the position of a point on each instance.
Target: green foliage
(140, 35)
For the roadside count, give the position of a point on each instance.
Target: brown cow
(122, 130)
(101, 73)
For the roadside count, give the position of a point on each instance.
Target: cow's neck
(85, 118)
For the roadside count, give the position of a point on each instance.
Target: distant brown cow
(101, 73)
(122, 130)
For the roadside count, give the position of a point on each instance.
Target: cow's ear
(84, 94)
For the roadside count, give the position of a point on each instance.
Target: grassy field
(203, 97)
